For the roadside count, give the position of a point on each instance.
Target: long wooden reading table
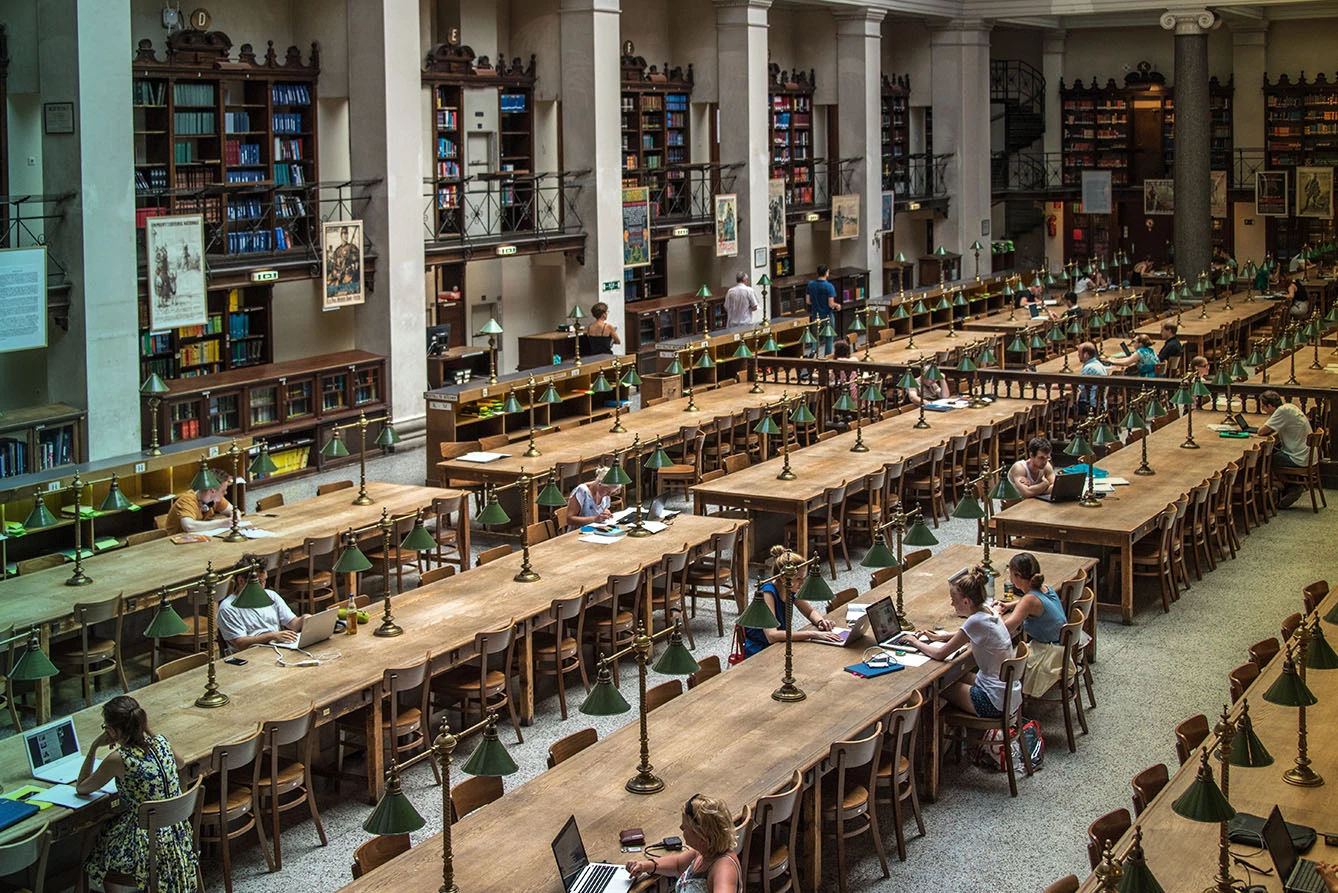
(1198, 332)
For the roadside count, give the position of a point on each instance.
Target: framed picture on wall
(726, 225)
(1096, 192)
(636, 226)
(1270, 193)
(341, 263)
(23, 298)
(1314, 192)
(889, 209)
(1217, 196)
(845, 216)
(775, 213)
(175, 254)
(1158, 196)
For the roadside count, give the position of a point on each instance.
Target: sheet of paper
(913, 659)
(1117, 481)
(481, 456)
(66, 795)
(601, 540)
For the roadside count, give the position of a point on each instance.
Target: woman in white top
(981, 693)
(589, 503)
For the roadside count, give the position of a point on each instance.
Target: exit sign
(505, 250)
(265, 276)
(609, 285)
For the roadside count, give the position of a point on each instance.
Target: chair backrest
(333, 487)
(737, 462)
(1011, 671)
(538, 532)
(474, 793)
(144, 536)
(435, 574)
(154, 815)
(772, 812)
(1109, 827)
(1263, 651)
(496, 552)
(493, 442)
(1290, 623)
(1312, 594)
(847, 757)
(911, 559)
(1070, 591)
(180, 665)
(1314, 441)
(377, 852)
(565, 748)
(1189, 735)
(320, 552)
(844, 597)
(272, 501)
(1147, 784)
(1067, 884)
(1240, 679)
(29, 851)
(86, 614)
(288, 730)
(882, 575)
(40, 563)
(663, 693)
(902, 724)
(710, 666)
(624, 590)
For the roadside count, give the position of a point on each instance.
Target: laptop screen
(569, 852)
(883, 620)
(1279, 844)
(51, 743)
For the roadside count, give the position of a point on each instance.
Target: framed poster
(1096, 192)
(726, 225)
(889, 211)
(1158, 196)
(636, 227)
(775, 213)
(1217, 196)
(58, 117)
(845, 216)
(341, 263)
(22, 298)
(175, 252)
(1270, 193)
(1314, 192)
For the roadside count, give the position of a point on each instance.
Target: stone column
(592, 137)
(859, 97)
(1193, 221)
(961, 103)
(745, 135)
(383, 45)
(1052, 66)
(1249, 48)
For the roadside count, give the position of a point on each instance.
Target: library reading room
(686, 415)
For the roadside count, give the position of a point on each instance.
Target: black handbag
(1248, 830)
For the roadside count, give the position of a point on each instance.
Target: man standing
(1087, 394)
(740, 302)
(1291, 428)
(821, 304)
(203, 511)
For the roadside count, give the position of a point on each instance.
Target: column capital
(742, 12)
(941, 31)
(859, 22)
(1190, 20)
(1053, 41)
(590, 6)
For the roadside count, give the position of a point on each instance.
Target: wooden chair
(1312, 594)
(489, 555)
(403, 729)
(841, 599)
(539, 532)
(1107, 828)
(1307, 475)
(395, 559)
(896, 770)
(474, 793)
(1263, 651)
(1153, 556)
(710, 666)
(663, 693)
(1148, 784)
(570, 746)
(1290, 623)
(1067, 884)
(155, 816)
(40, 563)
(686, 473)
(1083, 608)
(864, 510)
(826, 528)
(377, 852)
(668, 591)
(448, 516)
(144, 536)
(1195, 537)
(1266, 495)
(333, 487)
(737, 462)
(847, 806)
(25, 853)
(1070, 679)
(1224, 519)
(1247, 484)
(312, 581)
(1179, 568)
(926, 487)
(612, 625)
(720, 442)
(718, 573)
(89, 656)
(436, 574)
(557, 646)
(952, 718)
(768, 848)
(180, 665)
(273, 501)
(285, 783)
(1189, 735)
(234, 799)
(954, 466)
(486, 680)
(1240, 679)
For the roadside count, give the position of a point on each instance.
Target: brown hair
(244, 564)
(971, 585)
(1025, 565)
(599, 310)
(124, 716)
(1144, 340)
(711, 819)
(780, 556)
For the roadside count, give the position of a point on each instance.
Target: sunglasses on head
(688, 810)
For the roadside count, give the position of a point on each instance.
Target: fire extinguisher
(1051, 226)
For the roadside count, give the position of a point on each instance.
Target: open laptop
(579, 874)
(317, 628)
(1297, 875)
(53, 752)
(850, 635)
(1243, 425)
(1067, 488)
(882, 617)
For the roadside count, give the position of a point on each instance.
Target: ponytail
(971, 586)
(779, 556)
(127, 718)
(1025, 565)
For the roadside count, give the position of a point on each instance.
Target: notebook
(53, 752)
(13, 811)
(579, 874)
(315, 629)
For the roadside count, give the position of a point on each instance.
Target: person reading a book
(202, 511)
(244, 627)
(1034, 475)
(590, 503)
(929, 391)
(783, 561)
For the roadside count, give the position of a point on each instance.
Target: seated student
(244, 627)
(1199, 366)
(1032, 301)
(1172, 351)
(1071, 308)
(982, 692)
(707, 863)
(1099, 280)
(1040, 614)
(589, 503)
(1088, 398)
(1143, 360)
(929, 391)
(1289, 425)
(202, 511)
(1084, 284)
(1034, 475)
(754, 639)
(600, 335)
(1299, 303)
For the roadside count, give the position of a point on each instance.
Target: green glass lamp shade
(900, 258)
(32, 663)
(1140, 306)
(900, 312)
(1225, 279)
(1050, 280)
(1136, 877)
(1270, 352)
(388, 436)
(843, 403)
(1238, 370)
(931, 373)
(872, 393)
(941, 251)
(943, 304)
(1107, 317)
(1199, 288)
(1249, 269)
(205, 479)
(1017, 345)
(807, 338)
(167, 622)
(920, 307)
(1104, 435)
(658, 458)
(352, 561)
(1125, 311)
(1255, 358)
(674, 368)
(419, 540)
(616, 476)
(632, 379)
(153, 385)
(704, 361)
(253, 595)
(968, 508)
(1289, 689)
(1311, 328)
(493, 513)
(1005, 489)
(770, 345)
(1246, 747)
(814, 588)
(879, 555)
(551, 497)
(758, 615)
(1078, 446)
(40, 516)
(907, 381)
(1036, 342)
(490, 757)
(491, 327)
(764, 280)
(877, 321)
(959, 301)
(802, 415)
(1075, 327)
(742, 352)
(1199, 389)
(334, 449)
(1223, 377)
(1133, 421)
(600, 385)
(1037, 283)
(676, 660)
(1331, 318)
(1202, 801)
(115, 500)
(919, 535)
(1319, 654)
(704, 292)
(604, 699)
(1181, 397)
(551, 395)
(1155, 409)
(856, 326)
(1286, 342)
(1055, 335)
(394, 814)
(512, 404)
(966, 364)
(827, 330)
(986, 358)
(766, 425)
(1008, 290)
(976, 246)
(576, 313)
(262, 463)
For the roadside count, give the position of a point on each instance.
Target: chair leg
(1068, 724)
(876, 832)
(897, 819)
(562, 688)
(311, 804)
(1008, 763)
(260, 831)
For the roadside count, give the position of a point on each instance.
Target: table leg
(525, 657)
(816, 833)
(936, 740)
(43, 686)
(462, 535)
(801, 530)
(376, 756)
(1127, 583)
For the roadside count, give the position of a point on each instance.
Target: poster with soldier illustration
(175, 254)
(341, 263)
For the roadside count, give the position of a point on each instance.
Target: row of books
(287, 150)
(183, 153)
(448, 197)
(783, 103)
(249, 175)
(196, 176)
(676, 119)
(199, 123)
(237, 122)
(448, 170)
(150, 178)
(193, 94)
(289, 175)
(448, 119)
(247, 353)
(239, 325)
(198, 354)
(245, 209)
(260, 240)
(447, 148)
(289, 206)
(150, 92)
(53, 448)
(187, 429)
(151, 343)
(212, 327)
(241, 153)
(290, 94)
(287, 122)
(210, 208)
(785, 120)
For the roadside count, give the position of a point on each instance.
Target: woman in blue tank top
(1040, 614)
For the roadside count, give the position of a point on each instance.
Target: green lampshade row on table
(1202, 801)
(1125, 311)
(674, 367)
(1005, 489)
(352, 561)
(1078, 446)
(907, 381)
(704, 361)
(986, 358)
(1017, 345)
(757, 615)
(334, 449)
(920, 307)
(658, 458)
(802, 415)
(844, 403)
(877, 321)
(167, 622)
(943, 304)
(1133, 421)
(900, 312)
(856, 326)
(1238, 370)
(262, 464)
(966, 364)
(1199, 389)
(1104, 435)
(1138, 878)
(550, 395)
(115, 500)
(394, 814)
(1255, 359)
(770, 345)
(1223, 377)
(1037, 342)
(631, 379)
(676, 661)
(490, 758)
(919, 535)
(814, 588)
(742, 352)
(1246, 747)
(931, 373)
(879, 555)
(766, 425)
(1290, 690)
(1155, 409)
(827, 330)
(388, 436)
(600, 385)
(1181, 397)
(32, 663)
(604, 699)
(493, 514)
(1319, 653)
(1141, 306)
(872, 393)
(807, 338)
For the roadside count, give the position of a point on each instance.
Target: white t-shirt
(234, 623)
(990, 647)
(1291, 428)
(1083, 285)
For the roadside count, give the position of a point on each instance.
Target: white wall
(906, 52)
(1248, 233)
(301, 329)
(1114, 52)
(1296, 46)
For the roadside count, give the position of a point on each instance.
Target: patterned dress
(150, 774)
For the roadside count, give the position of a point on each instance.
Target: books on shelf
(249, 175)
(447, 119)
(290, 94)
(192, 94)
(245, 209)
(289, 175)
(287, 122)
(287, 150)
(289, 206)
(194, 123)
(13, 457)
(150, 92)
(236, 122)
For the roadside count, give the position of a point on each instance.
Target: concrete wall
(1113, 53)
(906, 52)
(1296, 46)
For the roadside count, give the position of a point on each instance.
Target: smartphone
(235, 661)
(1125, 347)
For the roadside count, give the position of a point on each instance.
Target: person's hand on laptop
(283, 635)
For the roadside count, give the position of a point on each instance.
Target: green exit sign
(265, 276)
(609, 285)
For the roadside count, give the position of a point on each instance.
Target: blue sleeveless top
(1045, 626)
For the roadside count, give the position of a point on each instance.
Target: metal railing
(24, 220)
(685, 193)
(1017, 81)
(919, 177)
(1245, 163)
(488, 208)
(1026, 172)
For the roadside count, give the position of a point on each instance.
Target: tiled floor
(1149, 676)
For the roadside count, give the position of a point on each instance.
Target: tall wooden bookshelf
(656, 133)
(1095, 132)
(449, 71)
(896, 105)
(791, 104)
(236, 335)
(1300, 122)
(231, 139)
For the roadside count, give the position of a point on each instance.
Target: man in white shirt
(1084, 284)
(243, 627)
(1290, 427)
(740, 302)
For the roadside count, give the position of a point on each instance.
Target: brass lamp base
(645, 782)
(921, 424)
(1090, 502)
(905, 623)
(532, 452)
(236, 536)
(1144, 469)
(153, 451)
(859, 447)
(388, 629)
(787, 475)
(618, 428)
(213, 698)
(789, 692)
(79, 578)
(1303, 776)
(526, 575)
(1189, 445)
(756, 388)
(637, 529)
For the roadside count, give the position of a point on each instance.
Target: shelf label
(213, 451)
(609, 285)
(679, 231)
(140, 467)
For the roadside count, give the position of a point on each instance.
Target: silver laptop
(883, 621)
(579, 874)
(53, 752)
(315, 629)
(848, 636)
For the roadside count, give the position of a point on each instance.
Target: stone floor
(1149, 676)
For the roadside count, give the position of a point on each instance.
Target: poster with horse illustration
(176, 271)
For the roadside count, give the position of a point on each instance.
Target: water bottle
(351, 617)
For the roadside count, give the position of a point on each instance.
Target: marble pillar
(1193, 220)
(960, 95)
(859, 96)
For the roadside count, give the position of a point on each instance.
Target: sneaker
(1289, 496)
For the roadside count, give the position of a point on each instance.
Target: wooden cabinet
(662, 319)
(791, 106)
(788, 296)
(896, 102)
(40, 438)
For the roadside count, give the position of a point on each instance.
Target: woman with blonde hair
(590, 503)
(754, 639)
(707, 863)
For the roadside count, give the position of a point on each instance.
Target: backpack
(989, 753)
